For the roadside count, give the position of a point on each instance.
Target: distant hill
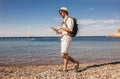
(117, 34)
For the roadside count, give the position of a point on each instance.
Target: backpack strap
(64, 22)
(66, 19)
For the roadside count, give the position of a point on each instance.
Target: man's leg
(65, 64)
(64, 54)
(76, 63)
(68, 58)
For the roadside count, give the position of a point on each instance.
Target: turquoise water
(46, 50)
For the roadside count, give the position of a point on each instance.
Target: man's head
(63, 11)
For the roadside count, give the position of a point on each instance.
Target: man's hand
(54, 29)
(57, 32)
(58, 28)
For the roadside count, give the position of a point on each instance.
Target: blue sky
(35, 17)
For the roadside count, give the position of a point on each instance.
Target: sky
(36, 17)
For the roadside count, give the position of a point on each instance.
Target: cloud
(88, 27)
(91, 9)
(102, 21)
(58, 19)
(102, 27)
(97, 30)
(97, 27)
(42, 31)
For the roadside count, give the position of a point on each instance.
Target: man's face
(62, 13)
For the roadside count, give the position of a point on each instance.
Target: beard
(63, 16)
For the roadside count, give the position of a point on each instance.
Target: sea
(46, 50)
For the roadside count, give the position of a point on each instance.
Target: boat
(30, 38)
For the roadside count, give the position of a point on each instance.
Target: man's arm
(56, 30)
(69, 25)
(63, 28)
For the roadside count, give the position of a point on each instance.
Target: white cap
(64, 8)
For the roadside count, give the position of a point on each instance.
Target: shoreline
(103, 70)
(57, 62)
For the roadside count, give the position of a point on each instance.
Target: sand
(86, 71)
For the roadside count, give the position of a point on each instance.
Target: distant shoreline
(56, 38)
(45, 36)
(57, 62)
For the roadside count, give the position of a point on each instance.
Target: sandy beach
(106, 70)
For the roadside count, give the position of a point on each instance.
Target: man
(64, 30)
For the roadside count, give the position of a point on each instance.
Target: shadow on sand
(98, 65)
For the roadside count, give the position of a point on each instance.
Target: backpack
(75, 27)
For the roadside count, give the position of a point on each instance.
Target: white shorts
(65, 44)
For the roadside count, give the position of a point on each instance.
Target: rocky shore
(87, 71)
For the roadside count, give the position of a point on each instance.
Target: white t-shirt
(70, 24)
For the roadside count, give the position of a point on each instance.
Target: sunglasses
(60, 13)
